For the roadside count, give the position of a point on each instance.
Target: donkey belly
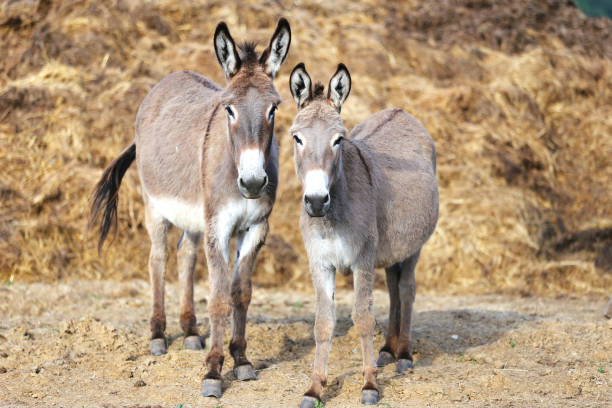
(407, 218)
(186, 216)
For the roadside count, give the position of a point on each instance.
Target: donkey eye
(337, 141)
(230, 112)
(297, 139)
(271, 113)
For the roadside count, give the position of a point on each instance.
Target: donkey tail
(106, 194)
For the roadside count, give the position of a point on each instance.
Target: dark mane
(319, 90)
(247, 52)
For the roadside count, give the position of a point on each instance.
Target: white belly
(186, 216)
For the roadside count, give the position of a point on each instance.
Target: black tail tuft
(106, 195)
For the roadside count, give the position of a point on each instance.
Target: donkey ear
(300, 84)
(276, 53)
(225, 49)
(339, 86)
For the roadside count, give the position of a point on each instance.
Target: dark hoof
(157, 347)
(245, 372)
(384, 358)
(404, 365)
(193, 343)
(369, 397)
(211, 387)
(310, 402)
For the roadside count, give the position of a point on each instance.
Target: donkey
(370, 201)
(211, 175)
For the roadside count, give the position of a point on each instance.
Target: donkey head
(250, 101)
(318, 132)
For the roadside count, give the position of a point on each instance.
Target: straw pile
(517, 96)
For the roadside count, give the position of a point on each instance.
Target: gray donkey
(370, 201)
(210, 174)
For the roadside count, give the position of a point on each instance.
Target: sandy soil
(84, 343)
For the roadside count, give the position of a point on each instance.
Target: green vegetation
(595, 8)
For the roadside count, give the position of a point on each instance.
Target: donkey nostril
(265, 181)
(307, 200)
(326, 199)
(241, 181)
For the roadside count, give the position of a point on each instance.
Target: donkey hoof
(310, 402)
(245, 372)
(157, 347)
(369, 397)
(211, 387)
(193, 343)
(384, 358)
(404, 364)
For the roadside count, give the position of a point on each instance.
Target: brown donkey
(370, 201)
(208, 164)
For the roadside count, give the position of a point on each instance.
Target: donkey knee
(219, 308)
(324, 329)
(158, 256)
(241, 294)
(364, 321)
(407, 292)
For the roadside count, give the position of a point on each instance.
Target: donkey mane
(248, 55)
(319, 91)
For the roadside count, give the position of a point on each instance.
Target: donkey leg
(219, 309)
(407, 293)
(388, 351)
(324, 280)
(187, 255)
(248, 245)
(157, 227)
(363, 318)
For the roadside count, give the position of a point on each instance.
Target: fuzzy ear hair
(225, 49)
(300, 85)
(276, 53)
(339, 86)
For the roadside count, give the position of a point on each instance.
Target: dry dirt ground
(84, 344)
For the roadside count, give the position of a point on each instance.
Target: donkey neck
(352, 191)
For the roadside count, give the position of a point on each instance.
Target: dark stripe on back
(381, 125)
(201, 81)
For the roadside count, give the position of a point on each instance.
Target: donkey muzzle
(252, 187)
(252, 177)
(316, 205)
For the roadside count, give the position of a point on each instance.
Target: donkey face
(250, 101)
(318, 132)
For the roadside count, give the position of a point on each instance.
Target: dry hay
(518, 98)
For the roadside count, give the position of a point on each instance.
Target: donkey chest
(238, 215)
(333, 250)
